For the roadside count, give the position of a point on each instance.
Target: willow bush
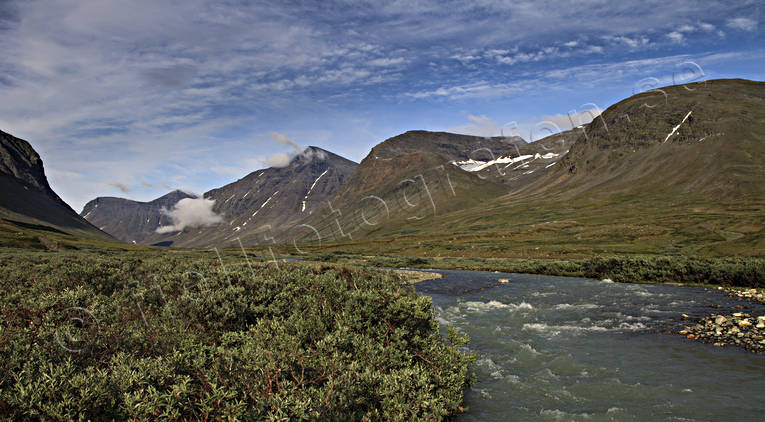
(144, 335)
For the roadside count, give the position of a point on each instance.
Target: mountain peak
(26, 194)
(175, 196)
(452, 146)
(20, 161)
(311, 153)
(314, 153)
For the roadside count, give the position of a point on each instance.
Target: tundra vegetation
(140, 335)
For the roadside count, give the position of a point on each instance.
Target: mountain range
(677, 170)
(254, 206)
(672, 170)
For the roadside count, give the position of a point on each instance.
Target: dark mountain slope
(450, 145)
(28, 198)
(131, 221)
(267, 201)
(530, 161)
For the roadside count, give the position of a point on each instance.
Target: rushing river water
(563, 348)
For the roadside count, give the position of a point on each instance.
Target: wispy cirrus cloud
(122, 187)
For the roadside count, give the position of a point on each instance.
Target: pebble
(753, 295)
(735, 329)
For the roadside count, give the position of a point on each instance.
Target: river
(565, 348)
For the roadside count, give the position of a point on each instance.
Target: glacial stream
(564, 348)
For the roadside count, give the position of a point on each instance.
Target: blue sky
(136, 98)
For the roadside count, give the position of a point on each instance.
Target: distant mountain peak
(271, 196)
(309, 154)
(176, 195)
(132, 221)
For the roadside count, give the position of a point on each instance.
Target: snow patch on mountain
(264, 204)
(476, 165)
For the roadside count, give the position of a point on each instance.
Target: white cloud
(285, 140)
(385, 62)
(480, 89)
(534, 56)
(631, 42)
(283, 159)
(676, 37)
(190, 212)
(707, 26)
(532, 130)
(593, 49)
(156, 185)
(480, 126)
(744, 24)
(465, 58)
(546, 53)
(572, 119)
(279, 159)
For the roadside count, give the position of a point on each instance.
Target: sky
(134, 99)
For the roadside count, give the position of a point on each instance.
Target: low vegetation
(141, 335)
(739, 272)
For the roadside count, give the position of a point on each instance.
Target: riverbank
(739, 329)
(733, 271)
(750, 295)
(414, 277)
(720, 329)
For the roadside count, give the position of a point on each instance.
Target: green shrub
(184, 336)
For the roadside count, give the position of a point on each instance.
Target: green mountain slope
(409, 177)
(672, 171)
(700, 139)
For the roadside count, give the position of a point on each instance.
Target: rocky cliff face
(27, 196)
(20, 161)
